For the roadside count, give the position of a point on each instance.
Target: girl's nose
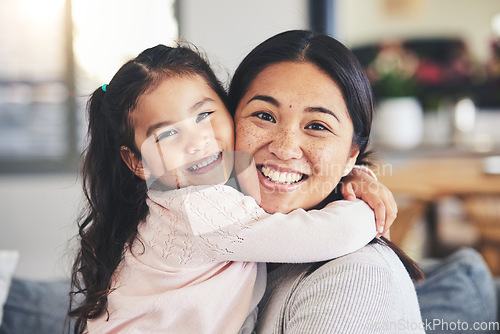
(198, 138)
(197, 143)
(285, 144)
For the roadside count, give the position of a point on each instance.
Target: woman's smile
(279, 176)
(279, 179)
(295, 123)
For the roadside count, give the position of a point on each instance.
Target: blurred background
(434, 66)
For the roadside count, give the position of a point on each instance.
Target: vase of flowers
(437, 72)
(399, 122)
(398, 113)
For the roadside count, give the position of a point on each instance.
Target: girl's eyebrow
(323, 110)
(157, 126)
(265, 98)
(192, 109)
(199, 104)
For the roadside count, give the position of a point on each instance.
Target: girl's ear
(351, 161)
(134, 163)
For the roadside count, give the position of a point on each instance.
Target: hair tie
(103, 87)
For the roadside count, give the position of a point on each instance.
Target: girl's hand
(359, 184)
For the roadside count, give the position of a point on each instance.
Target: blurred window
(53, 54)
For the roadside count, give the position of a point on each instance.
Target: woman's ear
(351, 161)
(134, 163)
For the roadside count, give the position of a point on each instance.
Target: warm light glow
(36, 9)
(495, 24)
(108, 33)
(31, 33)
(465, 115)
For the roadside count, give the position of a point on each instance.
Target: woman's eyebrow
(322, 110)
(265, 98)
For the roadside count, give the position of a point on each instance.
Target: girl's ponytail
(115, 196)
(115, 205)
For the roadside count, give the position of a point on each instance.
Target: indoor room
(434, 71)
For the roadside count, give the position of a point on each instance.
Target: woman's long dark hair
(115, 196)
(337, 61)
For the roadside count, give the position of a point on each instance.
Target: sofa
(458, 290)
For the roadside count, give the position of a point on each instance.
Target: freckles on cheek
(313, 156)
(324, 161)
(245, 138)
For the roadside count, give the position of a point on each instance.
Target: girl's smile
(183, 131)
(205, 165)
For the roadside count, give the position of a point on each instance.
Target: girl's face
(295, 123)
(184, 132)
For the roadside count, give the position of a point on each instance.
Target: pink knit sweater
(193, 266)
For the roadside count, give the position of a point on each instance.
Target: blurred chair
(409, 212)
(484, 211)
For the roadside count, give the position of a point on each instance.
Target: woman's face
(294, 122)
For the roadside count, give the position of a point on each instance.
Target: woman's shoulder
(372, 270)
(374, 255)
(367, 291)
(374, 266)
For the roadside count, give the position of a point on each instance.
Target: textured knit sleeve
(364, 293)
(348, 299)
(231, 227)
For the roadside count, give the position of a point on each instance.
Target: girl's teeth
(206, 162)
(279, 177)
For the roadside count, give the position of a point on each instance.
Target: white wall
(364, 21)
(38, 212)
(227, 29)
(37, 217)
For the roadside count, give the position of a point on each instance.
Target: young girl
(181, 257)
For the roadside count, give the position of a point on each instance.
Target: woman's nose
(286, 145)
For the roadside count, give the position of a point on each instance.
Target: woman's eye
(264, 116)
(317, 126)
(203, 115)
(165, 134)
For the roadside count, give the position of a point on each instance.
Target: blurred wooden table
(428, 179)
(431, 178)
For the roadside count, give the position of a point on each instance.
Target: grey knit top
(368, 291)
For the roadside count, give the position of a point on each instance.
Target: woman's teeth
(205, 162)
(281, 177)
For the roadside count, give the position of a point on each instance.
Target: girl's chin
(219, 176)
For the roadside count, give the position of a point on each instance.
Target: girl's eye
(165, 134)
(317, 127)
(203, 115)
(264, 116)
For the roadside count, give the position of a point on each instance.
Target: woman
(303, 104)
